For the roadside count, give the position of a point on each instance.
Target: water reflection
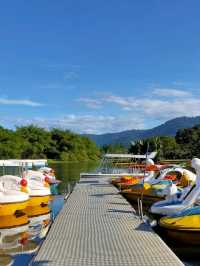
(70, 172)
(40, 221)
(22, 233)
(14, 238)
(6, 260)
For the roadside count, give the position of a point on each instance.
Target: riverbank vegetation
(185, 145)
(31, 142)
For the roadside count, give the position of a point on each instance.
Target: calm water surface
(70, 172)
(18, 245)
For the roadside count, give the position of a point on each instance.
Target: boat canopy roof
(28, 162)
(130, 156)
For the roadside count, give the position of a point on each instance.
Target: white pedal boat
(172, 204)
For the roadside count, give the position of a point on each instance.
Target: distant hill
(169, 128)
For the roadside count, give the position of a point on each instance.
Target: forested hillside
(34, 142)
(185, 145)
(169, 128)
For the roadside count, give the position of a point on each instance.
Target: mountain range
(169, 128)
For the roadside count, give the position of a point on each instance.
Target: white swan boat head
(12, 197)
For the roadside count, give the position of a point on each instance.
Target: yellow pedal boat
(146, 192)
(125, 182)
(184, 227)
(12, 221)
(38, 211)
(12, 200)
(152, 191)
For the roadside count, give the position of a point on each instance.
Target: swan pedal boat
(38, 213)
(50, 173)
(38, 188)
(12, 200)
(126, 181)
(183, 227)
(156, 188)
(146, 193)
(189, 197)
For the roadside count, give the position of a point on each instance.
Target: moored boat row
(25, 216)
(170, 194)
(32, 188)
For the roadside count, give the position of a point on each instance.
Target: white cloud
(84, 123)
(140, 112)
(159, 109)
(91, 103)
(153, 109)
(168, 92)
(163, 109)
(25, 102)
(127, 103)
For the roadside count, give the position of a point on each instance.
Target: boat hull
(38, 200)
(127, 185)
(147, 199)
(12, 221)
(37, 211)
(189, 237)
(184, 229)
(12, 207)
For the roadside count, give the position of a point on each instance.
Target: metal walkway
(98, 227)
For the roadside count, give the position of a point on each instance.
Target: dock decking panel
(98, 227)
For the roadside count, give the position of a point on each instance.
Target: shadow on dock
(101, 185)
(143, 227)
(88, 182)
(40, 263)
(103, 195)
(119, 203)
(121, 211)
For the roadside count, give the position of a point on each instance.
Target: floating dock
(98, 227)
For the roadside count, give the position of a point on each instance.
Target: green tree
(113, 148)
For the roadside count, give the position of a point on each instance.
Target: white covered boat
(119, 165)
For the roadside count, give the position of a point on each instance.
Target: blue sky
(99, 66)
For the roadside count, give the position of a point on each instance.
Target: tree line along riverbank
(31, 142)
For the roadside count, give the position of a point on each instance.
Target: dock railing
(69, 188)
